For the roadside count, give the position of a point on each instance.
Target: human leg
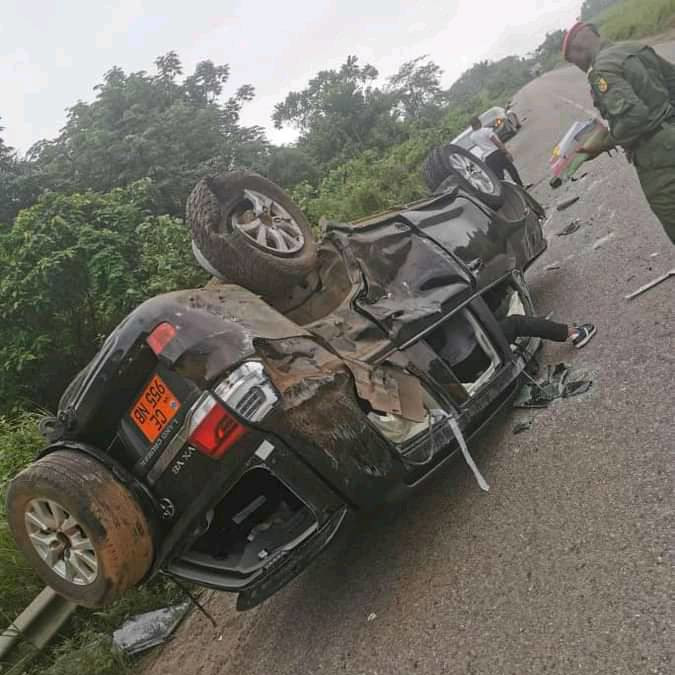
(513, 172)
(655, 163)
(527, 326)
(496, 162)
(659, 188)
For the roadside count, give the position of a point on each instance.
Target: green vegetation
(90, 222)
(74, 266)
(592, 8)
(19, 441)
(634, 19)
(89, 649)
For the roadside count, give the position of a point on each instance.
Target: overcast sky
(52, 53)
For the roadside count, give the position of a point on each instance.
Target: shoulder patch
(602, 85)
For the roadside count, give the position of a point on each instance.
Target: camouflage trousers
(655, 163)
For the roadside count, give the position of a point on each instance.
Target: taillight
(248, 391)
(160, 337)
(213, 431)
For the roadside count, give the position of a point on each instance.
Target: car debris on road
(554, 386)
(570, 229)
(565, 204)
(150, 629)
(522, 427)
(602, 241)
(651, 284)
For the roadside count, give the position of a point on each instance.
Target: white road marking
(578, 105)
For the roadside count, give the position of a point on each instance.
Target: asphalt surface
(565, 566)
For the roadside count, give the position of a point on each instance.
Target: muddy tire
(251, 233)
(82, 532)
(469, 173)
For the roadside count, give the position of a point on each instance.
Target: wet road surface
(564, 567)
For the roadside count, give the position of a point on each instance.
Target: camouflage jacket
(634, 90)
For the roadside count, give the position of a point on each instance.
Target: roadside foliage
(91, 222)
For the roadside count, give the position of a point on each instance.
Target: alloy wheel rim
(61, 542)
(472, 173)
(267, 224)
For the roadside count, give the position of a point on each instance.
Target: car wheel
(81, 530)
(250, 232)
(471, 174)
(515, 122)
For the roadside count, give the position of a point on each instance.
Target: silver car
(503, 120)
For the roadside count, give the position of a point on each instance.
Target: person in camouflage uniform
(634, 90)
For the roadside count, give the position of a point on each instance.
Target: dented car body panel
(358, 392)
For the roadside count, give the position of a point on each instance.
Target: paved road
(564, 567)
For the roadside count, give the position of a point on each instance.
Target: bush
(73, 267)
(634, 19)
(374, 182)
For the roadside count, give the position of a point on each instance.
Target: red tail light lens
(213, 431)
(160, 337)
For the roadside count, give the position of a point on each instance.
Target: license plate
(155, 408)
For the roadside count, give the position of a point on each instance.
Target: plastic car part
(213, 431)
(482, 483)
(400, 430)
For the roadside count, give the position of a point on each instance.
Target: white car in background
(503, 120)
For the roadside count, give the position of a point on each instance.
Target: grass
(85, 646)
(634, 19)
(19, 441)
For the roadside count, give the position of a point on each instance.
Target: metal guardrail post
(33, 628)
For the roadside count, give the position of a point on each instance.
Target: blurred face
(583, 48)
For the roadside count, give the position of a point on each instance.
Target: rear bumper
(263, 563)
(287, 568)
(257, 586)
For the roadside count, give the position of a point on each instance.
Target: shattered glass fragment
(522, 427)
(555, 385)
(570, 229)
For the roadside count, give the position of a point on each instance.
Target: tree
(549, 53)
(152, 126)
(289, 166)
(17, 189)
(417, 88)
(7, 182)
(494, 79)
(340, 113)
(592, 8)
(73, 267)
(552, 44)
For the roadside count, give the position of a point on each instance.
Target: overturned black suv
(222, 434)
